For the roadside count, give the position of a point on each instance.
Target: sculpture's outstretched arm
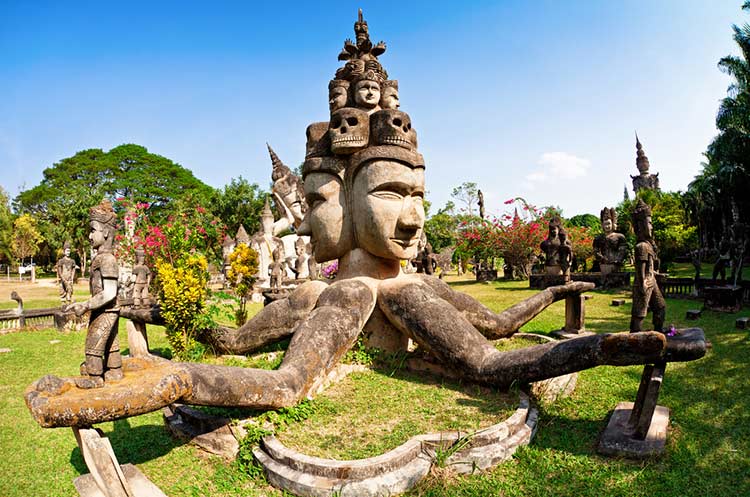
(274, 322)
(416, 309)
(506, 323)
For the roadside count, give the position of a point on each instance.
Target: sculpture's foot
(54, 385)
(114, 374)
(89, 382)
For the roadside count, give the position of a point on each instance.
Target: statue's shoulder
(106, 264)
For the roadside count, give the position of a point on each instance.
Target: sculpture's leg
(98, 343)
(417, 310)
(318, 344)
(658, 308)
(114, 359)
(274, 322)
(506, 323)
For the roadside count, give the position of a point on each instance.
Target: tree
(6, 228)
(26, 237)
(585, 220)
(71, 186)
(467, 194)
(441, 228)
(717, 198)
(240, 202)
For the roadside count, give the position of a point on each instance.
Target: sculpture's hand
(79, 308)
(287, 212)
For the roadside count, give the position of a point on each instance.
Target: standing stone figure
(313, 268)
(301, 268)
(481, 203)
(276, 270)
(725, 257)
(551, 245)
(644, 180)
(646, 293)
(142, 280)
(103, 360)
(66, 273)
(610, 248)
(429, 263)
(565, 254)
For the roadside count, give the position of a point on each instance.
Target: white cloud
(559, 165)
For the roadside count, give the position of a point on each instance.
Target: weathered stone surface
(618, 302)
(617, 439)
(646, 293)
(723, 298)
(147, 386)
(400, 469)
(101, 461)
(211, 433)
(742, 323)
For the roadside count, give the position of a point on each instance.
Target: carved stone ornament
(393, 127)
(349, 130)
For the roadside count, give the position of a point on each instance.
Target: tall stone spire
(644, 180)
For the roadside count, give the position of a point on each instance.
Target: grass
(707, 451)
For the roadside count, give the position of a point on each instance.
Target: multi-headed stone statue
(611, 247)
(103, 361)
(644, 180)
(646, 293)
(364, 187)
(66, 274)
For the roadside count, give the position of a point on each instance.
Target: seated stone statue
(551, 245)
(610, 248)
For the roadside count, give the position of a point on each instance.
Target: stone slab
(693, 314)
(618, 302)
(565, 335)
(139, 484)
(742, 323)
(617, 440)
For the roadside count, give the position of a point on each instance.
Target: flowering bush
(183, 291)
(241, 275)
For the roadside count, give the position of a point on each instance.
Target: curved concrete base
(400, 469)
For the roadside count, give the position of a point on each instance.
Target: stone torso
(644, 253)
(66, 268)
(141, 273)
(104, 266)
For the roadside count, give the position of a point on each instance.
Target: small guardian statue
(610, 248)
(646, 293)
(66, 272)
(551, 246)
(103, 361)
(142, 275)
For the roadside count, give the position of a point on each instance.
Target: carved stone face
(389, 98)
(66, 251)
(98, 235)
(387, 208)
(337, 98)
(607, 226)
(349, 130)
(393, 127)
(553, 231)
(367, 94)
(293, 201)
(327, 220)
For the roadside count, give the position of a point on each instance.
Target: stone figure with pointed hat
(288, 195)
(66, 274)
(646, 293)
(142, 273)
(644, 180)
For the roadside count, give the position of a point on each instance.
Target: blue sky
(534, 99)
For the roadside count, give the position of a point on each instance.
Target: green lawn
(708, 451)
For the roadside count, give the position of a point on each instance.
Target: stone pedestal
(486, 274)
(723, 298)
(639, 429)
(575, 318)
(137, 338)
(553, 269)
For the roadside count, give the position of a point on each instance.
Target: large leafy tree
(71, 186)
(239, 202)
(717, 198)
(6, 228)
(26, 237)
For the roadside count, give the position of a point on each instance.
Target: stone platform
(610, 280)
(617, 439)
(723, 298)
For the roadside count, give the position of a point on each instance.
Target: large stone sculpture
(646, 293)
(551, 247)
(365, 208)
(644, 180)
(66, 274)
(610, 248)
(103, 361)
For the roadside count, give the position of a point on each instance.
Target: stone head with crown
(363, 176)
